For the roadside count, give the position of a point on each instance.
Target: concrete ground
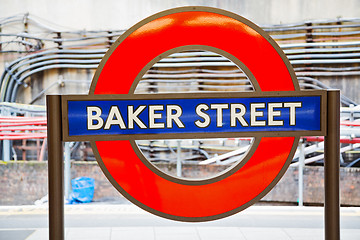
(128, 222)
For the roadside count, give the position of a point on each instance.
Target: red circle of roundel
(146, 41)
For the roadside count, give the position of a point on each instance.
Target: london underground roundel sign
(112, 117)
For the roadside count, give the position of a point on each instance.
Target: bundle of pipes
(315, 49)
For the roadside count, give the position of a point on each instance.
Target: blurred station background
(54, 47)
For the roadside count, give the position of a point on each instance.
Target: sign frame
(56, 167)
(230, 95)
(330, 122)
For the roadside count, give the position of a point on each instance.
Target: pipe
(12, 96)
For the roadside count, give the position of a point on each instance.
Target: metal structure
(328, 116)
(316, 49)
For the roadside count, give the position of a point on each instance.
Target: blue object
(210, 115)
(82, 190)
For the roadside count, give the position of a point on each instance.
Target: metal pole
(55, 168)
(301, 174)
(178, 158)
(67, 170)
(332, 167)
(6, 143)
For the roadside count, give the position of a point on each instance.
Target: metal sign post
(55, 168)
(112, 117)
(332, 166)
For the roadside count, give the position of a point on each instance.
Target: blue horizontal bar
(209, 115)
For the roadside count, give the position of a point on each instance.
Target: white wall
(121, 14)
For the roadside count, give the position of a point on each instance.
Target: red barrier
(342, 140)
(24, 128)
(17, 128)
(20, 137)
(349, 123)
